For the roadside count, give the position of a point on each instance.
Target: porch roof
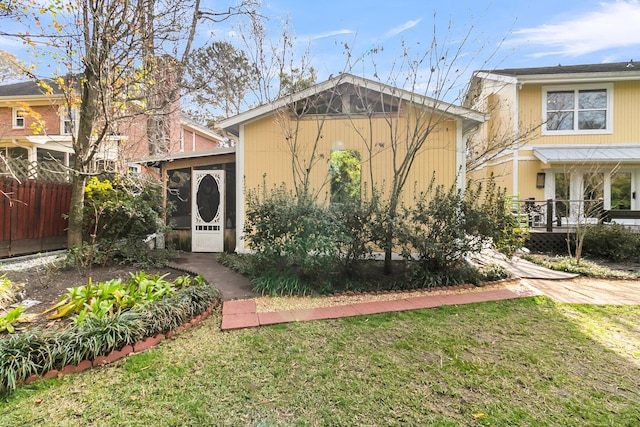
(186, 155)
(588, 154)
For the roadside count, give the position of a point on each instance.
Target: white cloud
(330, 34)
(612, 25)
(402, 28)
(10, 42)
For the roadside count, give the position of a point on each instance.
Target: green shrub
(444, 225)
(118, 213)
(492, 208)
(301, 247)
(613, 242)
(354, 236)
(133, 251)
(291, 235)
(122, 207)
(494, 272)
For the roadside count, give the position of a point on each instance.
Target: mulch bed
(47, 285)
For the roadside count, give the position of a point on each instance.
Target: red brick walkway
(242, 314)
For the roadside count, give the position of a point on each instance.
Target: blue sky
(493, 33)
(535, 33)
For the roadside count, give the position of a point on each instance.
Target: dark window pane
(621, 190)
(208, 199)
(593, 194)
(179, 197)
(563, 191)
(17, 153)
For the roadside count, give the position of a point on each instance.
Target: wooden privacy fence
(33, 216)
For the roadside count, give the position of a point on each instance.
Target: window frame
(72, 119)
(14, 118)
(608, 87)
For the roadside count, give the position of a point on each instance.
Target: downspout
(516, 140)
(240, 184)
(461, 151)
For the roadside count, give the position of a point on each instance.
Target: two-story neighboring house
(565, 133)
(36, 131)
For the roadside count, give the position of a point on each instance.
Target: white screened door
(207, 211)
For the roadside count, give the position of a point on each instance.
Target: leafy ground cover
(46, 283)
(596, 269)
(521, 362)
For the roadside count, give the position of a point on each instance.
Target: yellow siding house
(291, 140)
(567, 133)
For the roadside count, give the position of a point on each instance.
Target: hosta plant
(9, 321)
(108, 298)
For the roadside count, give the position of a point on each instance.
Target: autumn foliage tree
(107, 54)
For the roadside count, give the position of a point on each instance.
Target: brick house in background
(36, 135)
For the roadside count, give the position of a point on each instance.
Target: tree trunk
(83, 147)
(391, 230)
(74, 234)
(388, 266)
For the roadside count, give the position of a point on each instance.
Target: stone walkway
(231, 284)
(584, 290)
(239, 308)
(242, 314)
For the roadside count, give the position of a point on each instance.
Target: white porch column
(240, 192)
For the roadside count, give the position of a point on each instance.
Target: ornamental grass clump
(98, 336)
(25, 354)
(35, 352)
(177, 309)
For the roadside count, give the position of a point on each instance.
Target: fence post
(549, 215)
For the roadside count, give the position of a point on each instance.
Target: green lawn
(522, 362)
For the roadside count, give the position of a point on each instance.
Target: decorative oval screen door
(207, 211)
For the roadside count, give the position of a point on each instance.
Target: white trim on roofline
(191, 124)
(578, 77)
(496, 77)
(443, 107)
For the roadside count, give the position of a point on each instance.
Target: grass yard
(522, 362)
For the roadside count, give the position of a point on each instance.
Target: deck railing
(552, 214)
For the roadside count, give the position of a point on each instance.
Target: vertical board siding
(32, 215)
(269, 159)
(626, 108)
